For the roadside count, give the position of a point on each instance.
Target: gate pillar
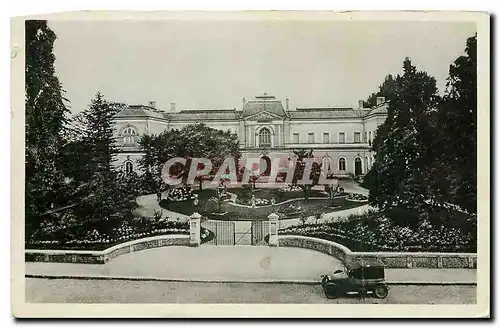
(273, 229)
(194, 229)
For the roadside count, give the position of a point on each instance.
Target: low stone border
(357, 201)
(101, 257)
(391, 259)
(233, 203)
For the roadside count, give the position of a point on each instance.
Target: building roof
(140, 110)
(204, 114)
(325, 112)
(253, 107)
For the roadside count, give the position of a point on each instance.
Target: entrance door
(265, 166)
(358, 167)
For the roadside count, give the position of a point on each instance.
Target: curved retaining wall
(101, 257)
(233, 202)
(390, 259)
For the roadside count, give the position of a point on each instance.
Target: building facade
(267, 128)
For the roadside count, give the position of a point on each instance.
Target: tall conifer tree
(45, 117)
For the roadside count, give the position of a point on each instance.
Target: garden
(289, 203)
(71, 235)
(375, 232)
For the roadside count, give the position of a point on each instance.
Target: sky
(214, 64)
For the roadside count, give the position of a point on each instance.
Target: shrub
(376, 232)
(180, 194)
(356, 198)
(66, 238)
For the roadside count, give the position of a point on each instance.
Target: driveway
(226, 263)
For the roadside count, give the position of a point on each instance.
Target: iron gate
(260, 229)
(230, 233)
(223, 231)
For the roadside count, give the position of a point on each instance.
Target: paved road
(113, 291)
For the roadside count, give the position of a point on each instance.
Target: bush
(71, 236)
(356, 198)
(180, 194)
(375, 232)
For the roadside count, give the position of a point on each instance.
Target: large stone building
(267, 128)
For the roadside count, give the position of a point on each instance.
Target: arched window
(358, 166)
(129, 134)
(327, 163)
(264, 138)
(129, 167)
(342, 164)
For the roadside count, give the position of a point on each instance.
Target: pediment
(264, 116)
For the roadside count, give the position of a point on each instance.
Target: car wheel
(330, 291)
(381, 291)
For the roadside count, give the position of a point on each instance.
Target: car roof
(365, 263)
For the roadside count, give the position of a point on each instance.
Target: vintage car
(362, 277)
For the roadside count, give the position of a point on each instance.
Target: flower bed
(258, 202)
(290, 188)
(356, 198)
(291, 210)
(93, 240)
(373, 232)
(180, 194)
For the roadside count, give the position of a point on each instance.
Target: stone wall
(390, 259)
(101, 257)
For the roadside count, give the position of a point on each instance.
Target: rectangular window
(310, 137)
(357, 137)
(365, 137)
(295, 139)
(341, 137)
(370, 136)
(326, 137)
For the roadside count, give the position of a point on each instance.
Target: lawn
(233, 212)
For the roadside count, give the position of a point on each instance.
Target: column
(242, 136)
(277, 142)
(273, 229)
(287, 132)
(194, 229)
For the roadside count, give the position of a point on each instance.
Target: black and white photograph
(325, 161)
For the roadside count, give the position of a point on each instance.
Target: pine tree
(45, 117)
(108, 196)
(99, 136)
(399, 177)
(386, 89)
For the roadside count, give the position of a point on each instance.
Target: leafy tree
(45, 117)
(399, 177)
(457, 127)
(300, 168)
(192, 141)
